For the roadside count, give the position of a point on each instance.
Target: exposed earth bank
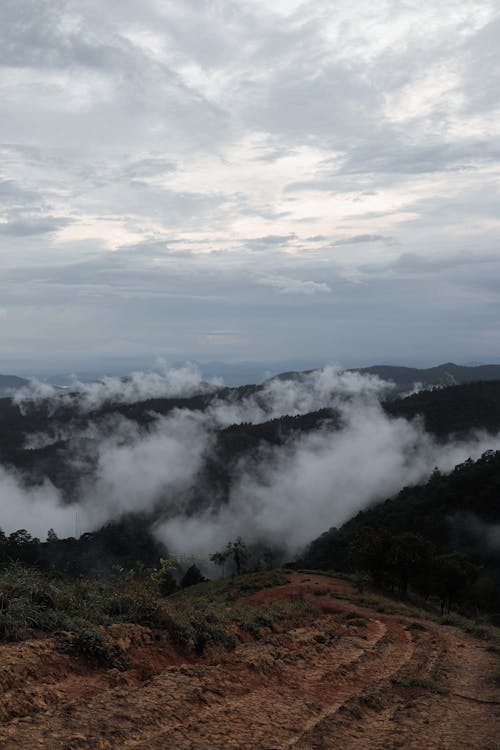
(347, 676)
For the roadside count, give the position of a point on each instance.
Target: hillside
(455, 410)
(277, 661)
(457, 513)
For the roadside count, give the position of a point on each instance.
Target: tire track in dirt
(396, 715)
(394, 650)
(245, 690)
(283, 704)
(294, 697)
(329, 683)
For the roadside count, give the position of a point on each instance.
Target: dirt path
(345, 679)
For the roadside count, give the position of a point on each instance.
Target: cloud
(11, 193)
(401, 156)
(292, 493)
(286, 285)
(136, 469)
(40, 508)
(31, 226)
(270, 241)
(239, 135)
(138, 386)
(361, 239)
(149, 167)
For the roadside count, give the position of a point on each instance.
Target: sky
(195, 180)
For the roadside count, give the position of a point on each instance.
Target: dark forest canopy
(455, 515)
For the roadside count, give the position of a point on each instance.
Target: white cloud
(285, 285)
(214, 128)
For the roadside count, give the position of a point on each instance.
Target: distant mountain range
(407, 378)
(404, 378)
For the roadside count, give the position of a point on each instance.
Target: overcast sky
(217, 180)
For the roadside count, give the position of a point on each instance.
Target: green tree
(238, 551)
(408, 557)
(192, 576)
(219, 558)
(452, 575)
(235, 551)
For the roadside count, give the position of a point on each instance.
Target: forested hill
(455, 518)
(456, 410)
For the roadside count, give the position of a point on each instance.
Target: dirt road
(349, 677)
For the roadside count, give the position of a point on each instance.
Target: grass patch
(208, 614)
(480, 630)
(93, 646)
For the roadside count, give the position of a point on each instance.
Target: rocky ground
(347, 676)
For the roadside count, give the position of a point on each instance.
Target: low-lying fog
(288, 496)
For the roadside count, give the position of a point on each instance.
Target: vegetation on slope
(78, 612)
(439, 538)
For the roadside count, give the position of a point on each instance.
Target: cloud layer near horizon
(323, 176)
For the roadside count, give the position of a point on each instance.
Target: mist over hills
(38, 435)
(237, 374)
(414, 378)
(172, 462)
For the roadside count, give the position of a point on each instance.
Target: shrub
(91, 644)
(191, 577)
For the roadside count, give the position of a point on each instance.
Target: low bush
(92, 645)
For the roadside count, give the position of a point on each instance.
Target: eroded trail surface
(346, 677)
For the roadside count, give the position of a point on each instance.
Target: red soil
(331, 681)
